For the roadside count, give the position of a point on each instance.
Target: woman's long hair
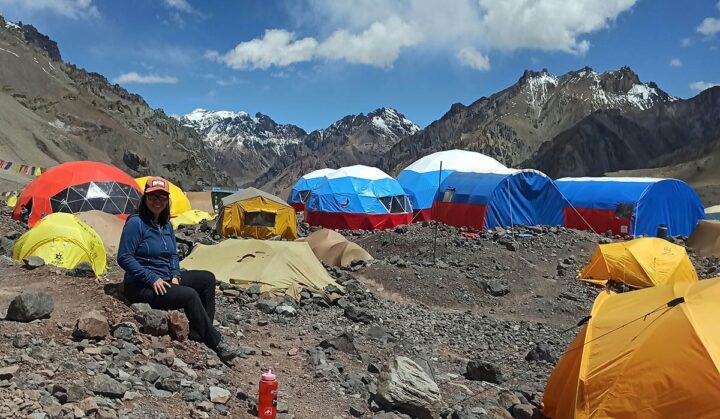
(146, 214)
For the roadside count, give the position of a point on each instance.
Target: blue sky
(311, 62)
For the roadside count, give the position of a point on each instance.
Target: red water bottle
(267, 400)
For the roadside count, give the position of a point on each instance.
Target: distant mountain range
(577, 124)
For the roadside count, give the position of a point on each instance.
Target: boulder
(153, 322)
(358, 315)
(87, 406)
(91, 325)
(522, 411)
(219, 395)
(104, 385)
(30, 306)
(83, 270)
(178, 325)
(32, 262)
(124, 331)
(540, 353)
(405, 387)
(479, 370)
(266, 305)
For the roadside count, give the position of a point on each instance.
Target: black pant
(195, 295)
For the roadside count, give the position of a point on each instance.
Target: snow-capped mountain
(512, 124)
(248, 147)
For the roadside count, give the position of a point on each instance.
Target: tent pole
(435, 215)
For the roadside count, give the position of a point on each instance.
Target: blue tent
(358, 197)
(301, 191)
(488, 200)
(630, 206)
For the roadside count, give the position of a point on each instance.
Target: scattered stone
(266, 305)
(91, 325)
(292, 352)
(125, 331)
(30, 306)
(540, 353)
(82, 270)
(358, 315)
(405, 387)
(342, 343)
(87, 406)
(22, 340)
(508, 399)
(7, 373)
(219, 395)
(32, 262)
(355, 412)
(104, 385)
(496, 288)
(522, 411)
(286, 310)
(153, 372)
(153, 322)
(484, 371)
(178, 325)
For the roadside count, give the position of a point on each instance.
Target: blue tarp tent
(630, 206)
(358, 197)
(509, 197)
(420, 179)
(301, 191)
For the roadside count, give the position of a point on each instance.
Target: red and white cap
(157, 184)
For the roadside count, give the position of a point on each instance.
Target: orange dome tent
(650, 353)
(76, 187)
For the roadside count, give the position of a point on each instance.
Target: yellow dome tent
(179, 202)
(639, 263)
(254, 213)
(280, 267)
(651, 353)
(63, 240)
(11, 200)
(191, 217)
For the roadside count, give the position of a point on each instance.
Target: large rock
(32, 262)
(266, 305)
(540, 353)
(91, 325)
(405, 387)
(484, 371)
(30, 306)
(153, 322)
(104, 385)
(219, 395)
(178, 325)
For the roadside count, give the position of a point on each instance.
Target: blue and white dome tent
(630, 206)
(505, 198)
(358, 197)
(420, 179)
(301, 191)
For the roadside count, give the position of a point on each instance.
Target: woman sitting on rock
(148, 254)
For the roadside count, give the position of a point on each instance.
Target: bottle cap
(268, 376)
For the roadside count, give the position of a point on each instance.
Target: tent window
(398, 204)
(448, 195)
(623, 211)
(304, 196)
(259, 219)
(387, 202)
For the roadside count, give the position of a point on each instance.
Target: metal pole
(435, 213)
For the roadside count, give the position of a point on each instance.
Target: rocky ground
(473, 334)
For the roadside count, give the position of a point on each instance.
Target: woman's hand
(160, 286)
(175, 280)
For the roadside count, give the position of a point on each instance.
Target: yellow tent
(652, 353)
(11, 200)
(191, 217)
(63, 240)
(639, 263)
(254, 213)
(278, 266)
(179, 203)
(334, 249)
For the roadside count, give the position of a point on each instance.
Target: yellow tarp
(651, 353)
(334, 249)
(179, 203)
(63, 240)
(639, 263)
(279, 267)
(11, 200)
(257, 214)
(191, 217)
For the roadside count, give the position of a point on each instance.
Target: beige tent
(107, 226)
(279, 267)
(705, 239)
(334, 249)
(201, 201)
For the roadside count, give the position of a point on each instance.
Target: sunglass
(158, 197)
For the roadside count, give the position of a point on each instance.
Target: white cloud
(474, 59)
(709, 26)
(181, 5)
(232, 81)
(73, 9)
(675, 62)
(374, 32)
(133, 77)
(687, 42)
(702, 85)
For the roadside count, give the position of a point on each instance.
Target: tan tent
(705, 239)
(107, 226)
(334, 249)
(201, 201)
(279, 267)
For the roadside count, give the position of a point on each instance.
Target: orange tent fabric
(76, 187)
(650, 353)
